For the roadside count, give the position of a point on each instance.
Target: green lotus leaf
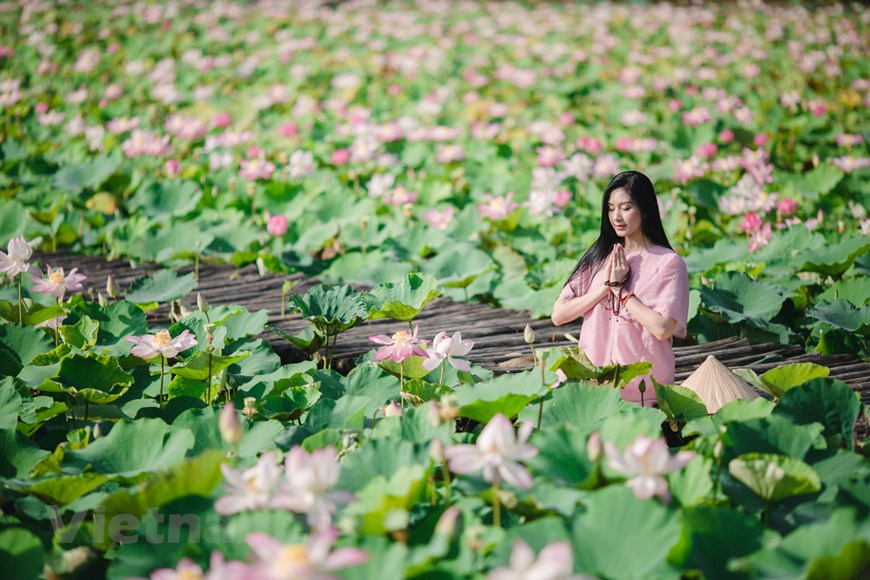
(646, 526)
(18, 454)
(117, 320)
(458, 265)
(774, 477)
(309, 340)
(82, 334)
(198, 366)
(75, 177)
(164, 199)
(132, 448)
(373, 267)
(66, 488)
(852, 561)
(405, 299)
(563, 457)
(623, 428)
(198, 476)
(723, 251)
(258, 436)
(13, 220)
(34, 313)
(22, 553)
(161, 287)
(739, 298)
(713, 536)
(19, 345)
(10, 403)
(771, 434)
(679, 403)
(854, 290)
(94, 373)
(780, 379)
(332, 309)
(738, 410)
(576, 365)
(693, 484)
(378, 458)
(410, 368)
(347, 413)
(821, 400)
(832, 259)
(812, 184)
(506, 394)
(418, 392)
(577, 406)
(290, 402)
(841, 314)
(516, 294)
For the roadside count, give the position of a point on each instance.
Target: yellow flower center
(401, 338)
(56, 277)
(189, 574)
(290, 556)
(162, 338)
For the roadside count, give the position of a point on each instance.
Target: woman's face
(624, 214)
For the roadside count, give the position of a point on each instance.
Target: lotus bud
(112, 288)
(392, 409)
(97, 432)
(433, 413)
(446, 525)
(249, 409)
(102, 300)
(717, 449)
(529, 335)
(229, 425)
(642, 387)
(449, 407)
(407, 210)
(396, 519)
(436, 450)
(201, 303)
(593, 446)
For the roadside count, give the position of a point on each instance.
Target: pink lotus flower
(645, 462)
(726, 136)
(402, 345)
(438, 219)
(849, 164)
(760, 237)
(817, 107)
(498, 451)
(172, 168)
(605, 166)
(277, 225)
(16, 260)
(288, 129)
(255, 169)
(445, 348)
(761, 140)
(161, 343)
(786, 206)
(313, 561)
(555, 562)
(550, 156)
(56, 284)
(251, 489)
(708, 150)
(340, 156)
(751, 222)
(589, 144)
(686, 169)
(187, 569)
(221, 120)
(497, 207)
(308, 490)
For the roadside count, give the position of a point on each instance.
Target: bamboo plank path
(497, 333)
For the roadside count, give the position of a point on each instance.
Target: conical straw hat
(716, 385)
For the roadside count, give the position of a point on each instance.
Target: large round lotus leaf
(841, 314)
(780, 379)
(405, 299)
(738, 298)
(616, 521)
(854, 290)
(774, 477)
(167, 198)
(21, 553)
(22, 343)
(332, 309)
(577, 406)
(75, 177)
(833, 259)
(829, 402)
(161, 287)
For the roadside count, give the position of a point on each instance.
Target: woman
(630, 287)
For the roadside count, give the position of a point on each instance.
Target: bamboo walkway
(497, 333)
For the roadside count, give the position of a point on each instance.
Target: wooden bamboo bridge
(497, 333)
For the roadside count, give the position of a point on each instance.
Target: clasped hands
(617, 269)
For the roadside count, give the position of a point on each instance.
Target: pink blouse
(659, 279)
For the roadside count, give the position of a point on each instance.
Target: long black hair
(643, 194)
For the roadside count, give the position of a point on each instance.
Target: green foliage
(404, 300)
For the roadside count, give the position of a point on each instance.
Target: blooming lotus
(254, 169)
(56, 284)
(446, 348)
(15, 260)
(402, 345)
(497, 207)
(646, 461)
(277, 225)
(250, 489)
(161, 343)
(498, 452)
(314, 560)
(308, 490)
(187, 569)
(555, 562)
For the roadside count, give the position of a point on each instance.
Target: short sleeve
(668, 293)
(578, 285)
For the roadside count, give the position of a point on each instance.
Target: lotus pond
(423, 149)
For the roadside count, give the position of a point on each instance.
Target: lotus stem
(446, 475)
(20, 303)
(441, 378)
(496, 511)
(208, 384)
(616, 376)
(402, 381)
(162, 369)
